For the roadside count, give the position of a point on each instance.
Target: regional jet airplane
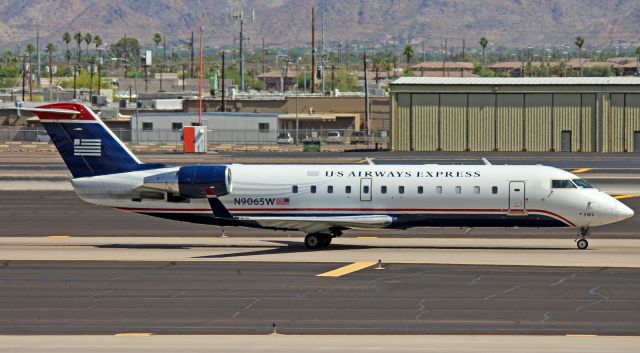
(322, 200)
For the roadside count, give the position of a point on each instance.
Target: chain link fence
(217, 136)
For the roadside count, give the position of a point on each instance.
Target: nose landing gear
(581, 241)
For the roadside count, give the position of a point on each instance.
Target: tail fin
(85, 143)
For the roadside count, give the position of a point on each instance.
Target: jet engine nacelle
(190, 181)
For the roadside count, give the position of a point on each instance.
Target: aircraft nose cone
(624, 211)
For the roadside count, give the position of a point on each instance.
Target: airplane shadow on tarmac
(272, 247)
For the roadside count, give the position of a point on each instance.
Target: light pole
(135, 85)
(297, 101)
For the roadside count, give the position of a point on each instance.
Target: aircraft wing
(322, 224)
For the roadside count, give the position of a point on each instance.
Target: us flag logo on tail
(87, 147)
(282, 201)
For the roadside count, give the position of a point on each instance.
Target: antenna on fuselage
(485, 161)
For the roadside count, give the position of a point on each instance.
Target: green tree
(157, 39)
(83, 80)
(408, 54)
(78, 38)
(345, 81)
(483, 43)
(133, 47)
(97, 41)
(637, 59)
(50, 50)
(68, 55)
(66, 38)
(88, 38)
(580, 43)
(9, 57)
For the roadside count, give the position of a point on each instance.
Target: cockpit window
(582, 183)
(562, 184)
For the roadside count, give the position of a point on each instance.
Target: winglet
(218, 209)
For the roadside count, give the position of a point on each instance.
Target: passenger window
(401, 189)
(420, 190)
(458, 190)
(313, 189)
(330, 189)
(294, 189)
(365, 189)
(494, 190)
(383, 189)
(347, 189)
(562, 184)
(439, 189)
(476, 189)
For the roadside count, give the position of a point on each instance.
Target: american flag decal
(87, 147)
(282, 201)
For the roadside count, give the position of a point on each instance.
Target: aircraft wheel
(582, 244)
(327, 241)
(313, 241)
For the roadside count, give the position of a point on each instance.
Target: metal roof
(517, 81)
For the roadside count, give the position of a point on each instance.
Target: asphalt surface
(196, 298)
(47, 212)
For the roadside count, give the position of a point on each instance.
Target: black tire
(582, 244)
(326, 241)
(313, 241)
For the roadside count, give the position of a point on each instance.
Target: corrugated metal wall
(482, 117)
(567, 115)
(616, 122)
(513, 121)
(425, 122)
(453, 129)
(632, 120)
(538, 122)
(509, 117)
(401, 124)
(588, 123)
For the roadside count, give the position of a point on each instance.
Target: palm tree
(408, 54)
(66, 38)
(88, 38)
(51, 49)
(8, 56)
(637, 60)
(157, 38)
(580, 43)
(78, 38)
(97, 41)
(68, 55)
(483, 43)
(30, 49)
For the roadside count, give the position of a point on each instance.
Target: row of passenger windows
(383, 189)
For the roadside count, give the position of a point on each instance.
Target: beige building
(516, 114)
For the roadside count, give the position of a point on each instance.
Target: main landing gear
(581, 241)
(315, 241)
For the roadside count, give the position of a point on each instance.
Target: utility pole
(192, 68)
(346, 59)
(240, 17)
(91, 64)
(322, 51)
(124, 56)
(224, 107)
(313, 49)
(164, 59)
(24, 75)
(38, 82)
(264, 55)
(366, 93)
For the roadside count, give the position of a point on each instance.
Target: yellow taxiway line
(58, 236)
(581, 170)
(345, 270)
(626, 196)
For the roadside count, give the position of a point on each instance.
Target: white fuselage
(414, 195)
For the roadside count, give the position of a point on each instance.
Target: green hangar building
(579, 114)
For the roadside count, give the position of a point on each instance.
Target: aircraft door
(365, 189)
(517, 197)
